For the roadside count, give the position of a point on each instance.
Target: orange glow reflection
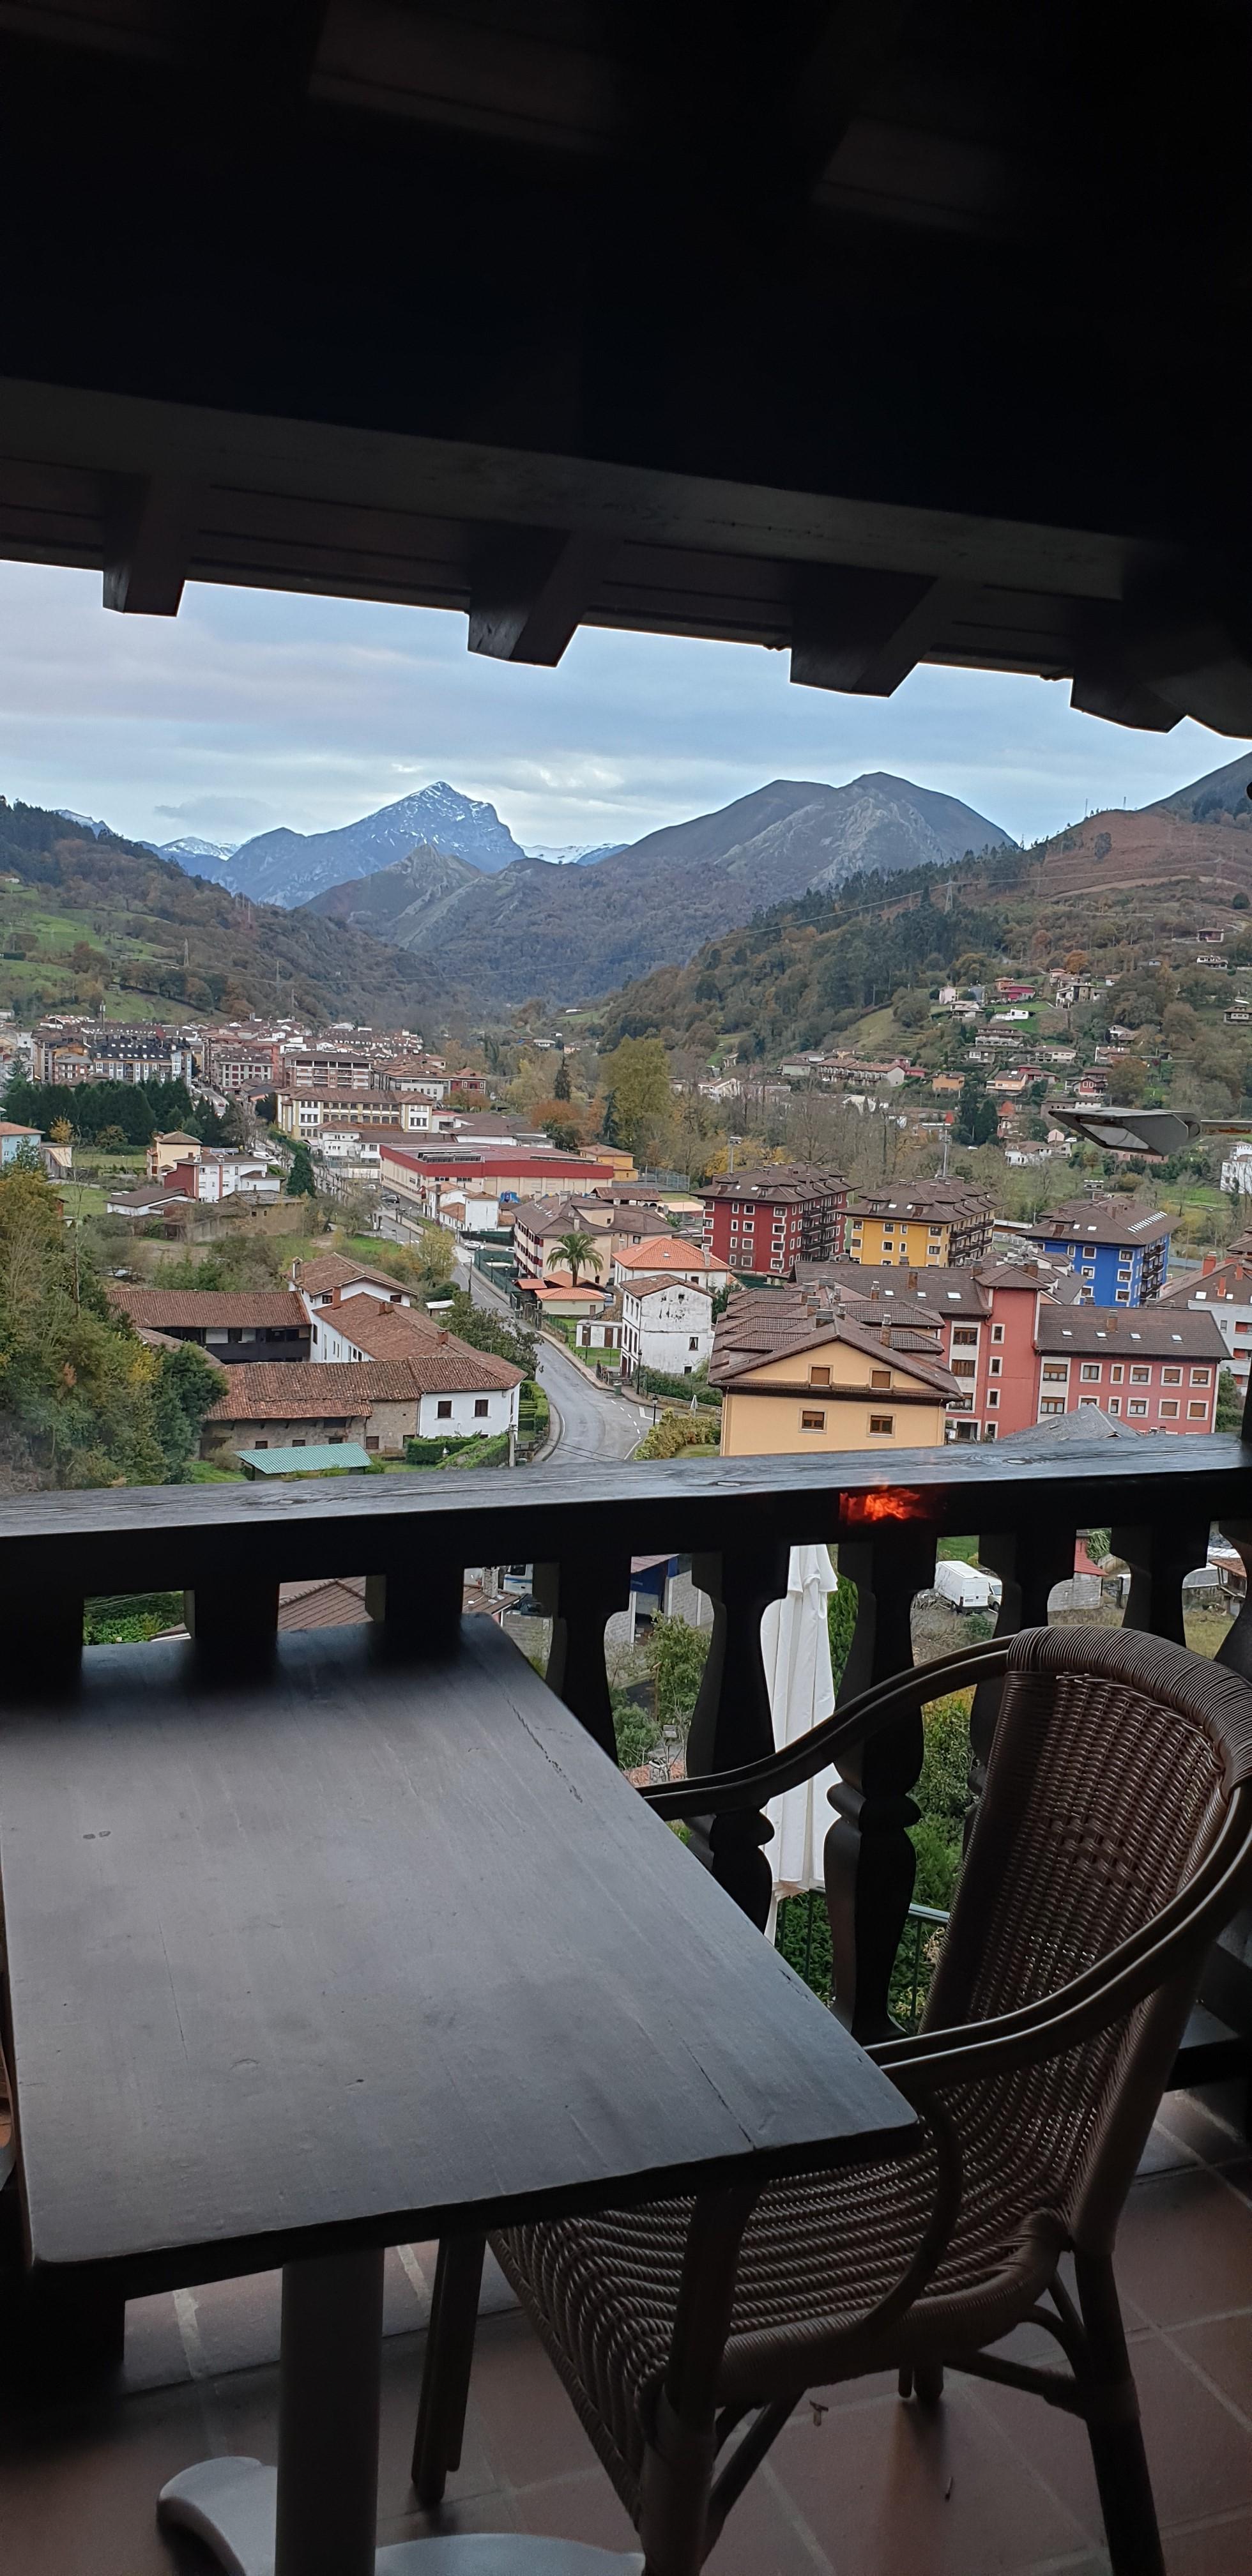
(888, 1503)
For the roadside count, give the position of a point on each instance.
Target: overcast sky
(253, 708)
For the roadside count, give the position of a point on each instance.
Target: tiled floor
(995, 2485)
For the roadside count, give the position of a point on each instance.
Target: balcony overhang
(643, 324)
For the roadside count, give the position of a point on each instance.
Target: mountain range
(532, 928)
(290, 868)
(139, 924)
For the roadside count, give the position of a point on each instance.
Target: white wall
(658, 1331)
(501, 1414)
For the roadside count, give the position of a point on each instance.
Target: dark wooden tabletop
(359, 1954)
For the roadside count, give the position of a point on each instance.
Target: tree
(300, 1180)
(484, 1332)
(60, 1132)
(578, 1251)
(267, 1109)
(976, 1120)
(677, 1655)
(561, 1087)
(563, 1134)
(189, 1383)
(609, 1128)
(638, 1075)
(1229, 1416)
(83, 1401)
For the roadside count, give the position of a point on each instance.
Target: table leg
(328, 2397)
(317, 2515)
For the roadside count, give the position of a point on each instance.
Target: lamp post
(1150, 1131)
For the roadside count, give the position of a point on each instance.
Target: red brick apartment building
(761, 1222)
(1023, 1347)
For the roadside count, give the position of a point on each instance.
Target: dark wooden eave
(879, 334)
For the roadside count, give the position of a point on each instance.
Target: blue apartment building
(1119, 1249)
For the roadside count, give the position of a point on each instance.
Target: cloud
(255, 708)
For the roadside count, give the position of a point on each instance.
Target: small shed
(314, 1459)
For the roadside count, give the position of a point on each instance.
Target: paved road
(591, 1422)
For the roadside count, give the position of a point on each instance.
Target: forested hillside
(87, 919)
(798, 971)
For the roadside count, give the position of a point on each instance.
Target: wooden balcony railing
(229, 1548)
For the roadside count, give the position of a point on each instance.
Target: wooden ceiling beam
(856, 39)
(530, 590)
(150, 524)
(865, 631)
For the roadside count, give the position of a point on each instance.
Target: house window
(965, 1334)
(299, 1444)
(989, 1431)
(1090, 1372)
(1117, 1373)
(1169, 1408)
(1052, 1404)
(819, 1377)
(694, 1343)
(811, 1420)
(260, 1444)
(481, 1407)
(882, 1425)
(997, 1332)
(1171, 1377)
(1136, 1405)
(443, 1410)
(1054, 1372)
(967, 1431)
(880, 1377)
(1141, 1377)
(994, 1367)
(1197, 1413)
(993, 1397)
(964, 1368)
(1123, 1297)
(1115, 1404)
(370, 1444)
(1199, 1377)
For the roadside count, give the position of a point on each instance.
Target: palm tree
(578, 1250)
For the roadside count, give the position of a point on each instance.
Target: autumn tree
(637, 1074)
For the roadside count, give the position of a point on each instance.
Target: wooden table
(356, 1953)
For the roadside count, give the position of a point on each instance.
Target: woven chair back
(1114, 1758)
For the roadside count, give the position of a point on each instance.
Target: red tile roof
(166, 1309)
(344, 1390)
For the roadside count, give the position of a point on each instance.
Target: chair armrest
(1104, 1993)
(721, 1792)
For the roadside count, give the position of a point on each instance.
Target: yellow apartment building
(919, 1224)
(791, 1383)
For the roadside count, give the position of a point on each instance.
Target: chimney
(885, 1329)
(1031, 1269)
(1209, 1263)
(442, 1335)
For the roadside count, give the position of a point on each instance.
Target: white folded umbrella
(795, 1645)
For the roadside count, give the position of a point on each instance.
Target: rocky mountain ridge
(581, 932)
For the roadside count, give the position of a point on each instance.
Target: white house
(667, 1324)
(1237, 1168)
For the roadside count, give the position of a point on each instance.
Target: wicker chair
(1112, 1843)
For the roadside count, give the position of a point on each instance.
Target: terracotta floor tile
(584, 2507)
(528, 2424)
(1211, 2549)
(1199, 2458)
(891, 2491)
(1184, 2248)
(1224, 2350)
(767, 2536)
(78, 2497)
